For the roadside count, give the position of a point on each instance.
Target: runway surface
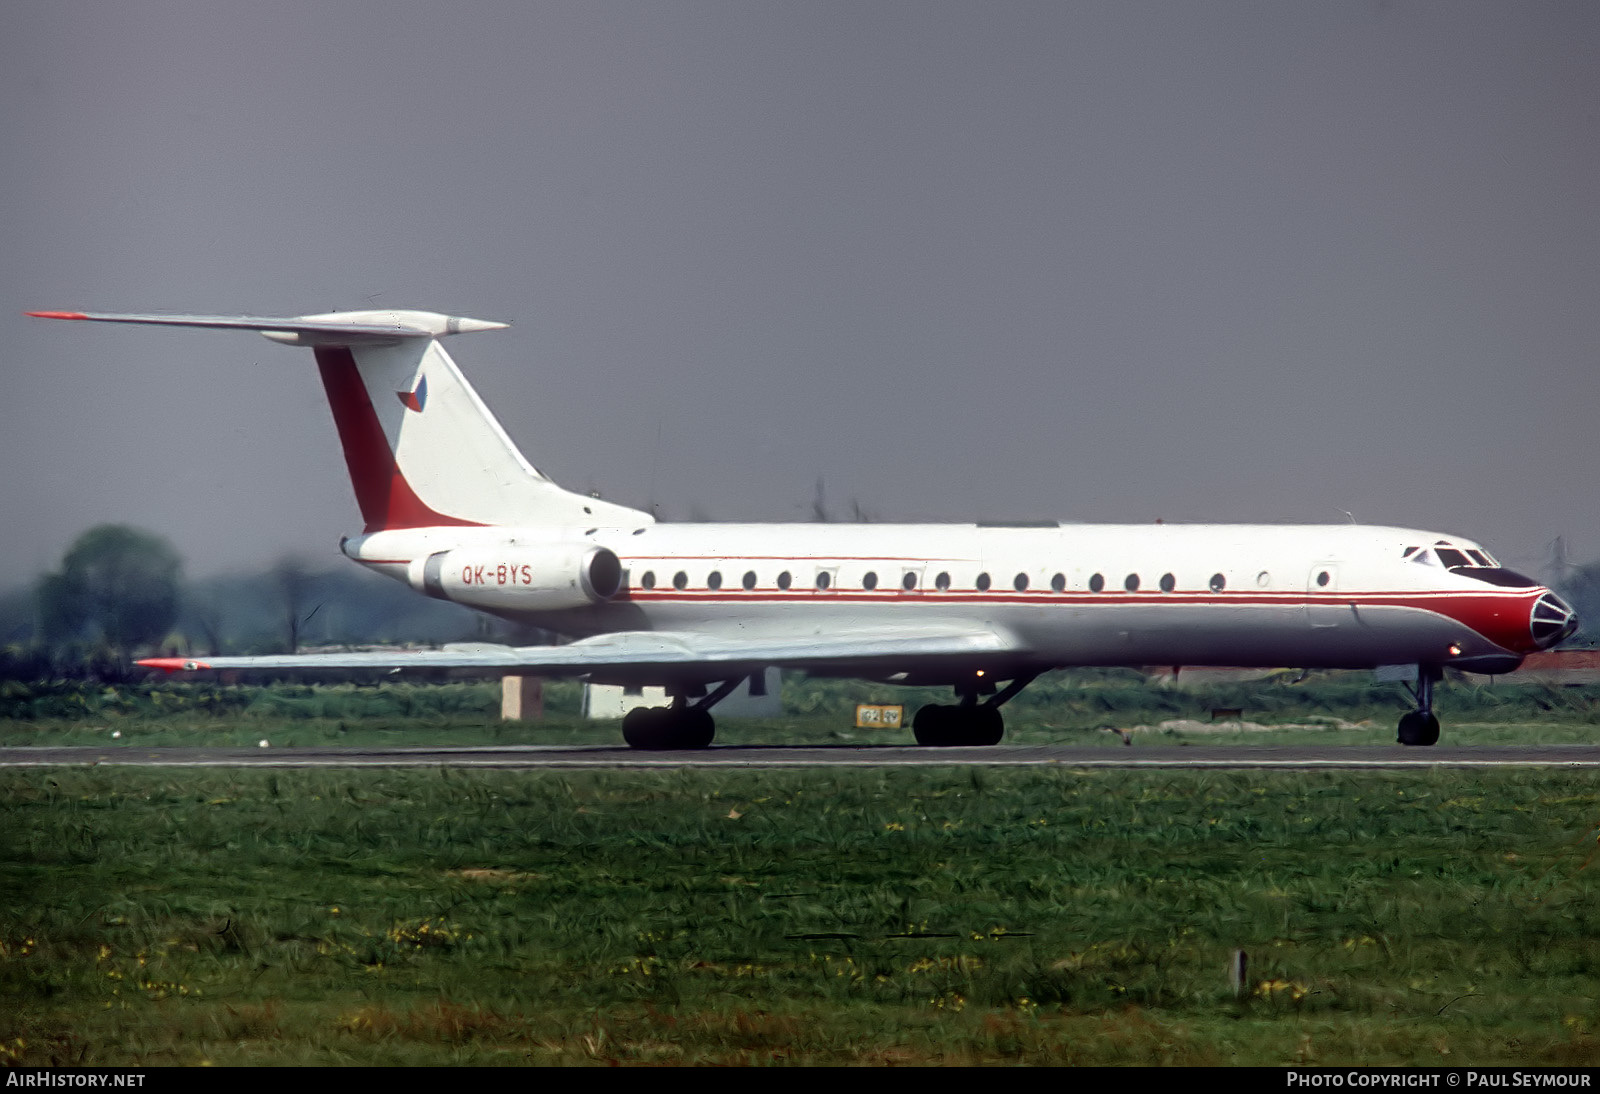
(746, 756)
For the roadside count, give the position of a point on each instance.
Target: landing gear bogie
(660, 729)
(949, 726)
(970, 722)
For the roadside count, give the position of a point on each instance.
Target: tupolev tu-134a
(451, 508)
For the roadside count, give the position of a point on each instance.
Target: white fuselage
(1345, 596)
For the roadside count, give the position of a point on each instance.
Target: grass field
(1328, 708)
(956, 916)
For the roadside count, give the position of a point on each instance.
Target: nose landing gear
(1420, 727)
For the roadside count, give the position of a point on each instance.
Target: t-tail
(422, 449)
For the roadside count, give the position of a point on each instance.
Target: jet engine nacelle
(539, 579)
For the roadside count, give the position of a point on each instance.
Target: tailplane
(421, 447)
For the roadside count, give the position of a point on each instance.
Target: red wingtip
(173, 664)
(57, 315)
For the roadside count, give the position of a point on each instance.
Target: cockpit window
(1460, 558)
(1496, 575)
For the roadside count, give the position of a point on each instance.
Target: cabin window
(942, 582)
(1263, 579)
(1059, 583)
(909, 582)
(1097, 583)
(1021, 583)
(714, 579)
(680, 580)
(1131, 583)
(1323, 578)
(982, 583)
(749, 579)
(784, 580)
(869, 580)
(823, 580)
(1218, 583)
(648, 581)
(1168, 583)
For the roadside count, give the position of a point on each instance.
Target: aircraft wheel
(694, 728)
(1418, 728)
(985, 726)
(642, 727)
(933, 725)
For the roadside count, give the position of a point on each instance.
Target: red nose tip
(1552, 621)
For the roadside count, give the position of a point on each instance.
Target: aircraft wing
(636, 654)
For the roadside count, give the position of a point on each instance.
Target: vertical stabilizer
(424, 450)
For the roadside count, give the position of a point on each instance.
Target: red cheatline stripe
(734, 560)
(1495, 616)
(736, 595)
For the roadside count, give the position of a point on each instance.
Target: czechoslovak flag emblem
(415, 400)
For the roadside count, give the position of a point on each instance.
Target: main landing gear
(682, 725)
(668, 728)
(969, 722)
(1420, 727)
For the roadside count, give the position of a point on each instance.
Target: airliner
(451, 508)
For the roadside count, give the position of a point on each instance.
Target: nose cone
(1552, 621)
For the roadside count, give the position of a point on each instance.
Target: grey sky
(1100, 262)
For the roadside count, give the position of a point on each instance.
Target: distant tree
(1580, 584)
(203, 611)
(117, 589)
(60, 610)
(295, 585)
(1581, 587)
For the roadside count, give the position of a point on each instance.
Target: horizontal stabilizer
(422, 449)
(332, 329)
